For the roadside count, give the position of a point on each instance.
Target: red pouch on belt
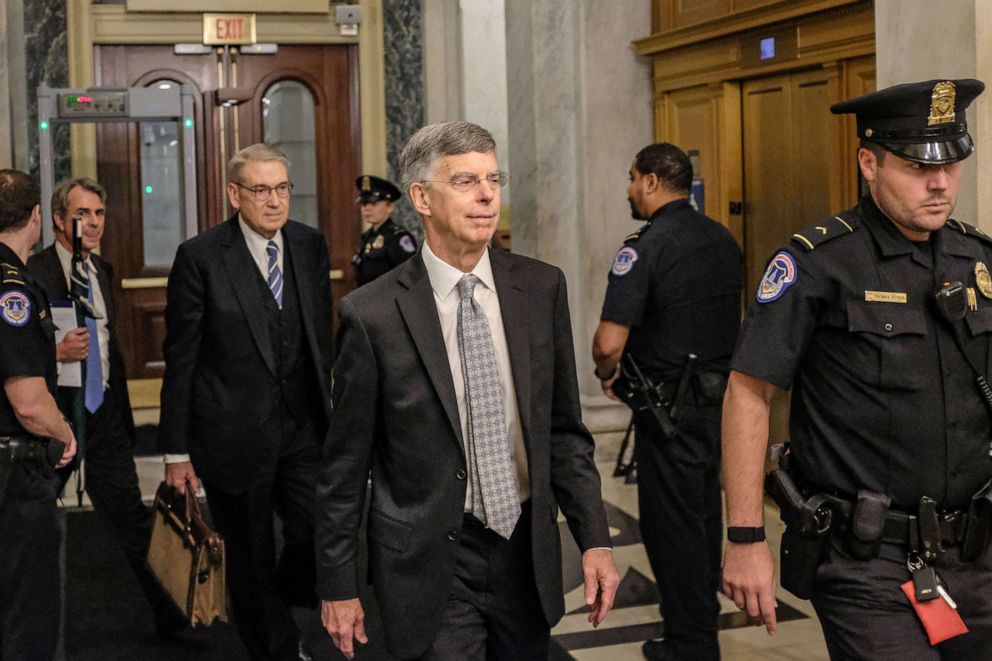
(939, 619)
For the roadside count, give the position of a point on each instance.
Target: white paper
(64, 316)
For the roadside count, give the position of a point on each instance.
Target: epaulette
(969, 230)
(634, 236)
(825, 230)
(11, 274)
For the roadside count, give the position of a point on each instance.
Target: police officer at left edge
(34, 437)
(385, 245)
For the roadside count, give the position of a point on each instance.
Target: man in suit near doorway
(246, 391)
(455, 387)
(110, 477)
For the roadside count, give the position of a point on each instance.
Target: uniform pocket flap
(389, 532)
(979, 321)
(885, 319)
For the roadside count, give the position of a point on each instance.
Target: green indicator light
(188, 123)
(44, 125)
(149, 190)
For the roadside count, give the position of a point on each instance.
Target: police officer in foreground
(385, 244)
(880, 321)
(672, 311)
(34, 437)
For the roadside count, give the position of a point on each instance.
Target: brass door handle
(337, 275)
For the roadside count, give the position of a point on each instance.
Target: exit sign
(228, 29)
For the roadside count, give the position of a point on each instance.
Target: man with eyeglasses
(385, 245)
(455, 388)
(245, 399)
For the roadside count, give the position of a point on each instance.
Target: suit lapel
(243, 273)
(513, 305)
(419, 311)
(302, 270)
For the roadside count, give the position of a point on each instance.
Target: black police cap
(923, 122)
(373, 189)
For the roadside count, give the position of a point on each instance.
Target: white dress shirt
(99, 304)
(444, 280)
(256, 246)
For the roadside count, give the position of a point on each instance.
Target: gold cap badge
(941, 104)
(983, 280)
(367, 183)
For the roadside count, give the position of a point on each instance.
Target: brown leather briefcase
(187, 557)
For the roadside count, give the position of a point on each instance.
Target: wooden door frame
(90, 25)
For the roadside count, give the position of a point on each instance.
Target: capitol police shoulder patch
(407, 244)
(624, 261)
(15, 308)
(779, 276)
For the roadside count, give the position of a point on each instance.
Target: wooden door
(302, 98)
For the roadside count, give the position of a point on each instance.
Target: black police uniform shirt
(676, 283)
(882, 397)
(27, 334)
(382, 250)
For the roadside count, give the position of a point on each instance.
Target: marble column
(579, 108)
(952, 39)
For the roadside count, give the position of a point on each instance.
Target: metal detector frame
(144, 104)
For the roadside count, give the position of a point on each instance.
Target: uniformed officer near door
(880, 321)
(385, 245)
(672, 311)
(34, 437)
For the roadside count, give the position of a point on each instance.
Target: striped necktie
(93, 395)
(275, 273)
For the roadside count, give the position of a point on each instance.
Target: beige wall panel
(745, 5)
(702, 61)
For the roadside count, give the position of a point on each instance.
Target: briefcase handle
(186, 507)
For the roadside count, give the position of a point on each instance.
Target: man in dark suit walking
(246, 392)
(110, 476)
(455, 386)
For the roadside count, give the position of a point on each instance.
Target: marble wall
(927, 40)
(46, 60)
(579, 109)
(404, 80)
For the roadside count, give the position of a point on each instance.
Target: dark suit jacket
(46, 267)
(220, 390)
(395, 413)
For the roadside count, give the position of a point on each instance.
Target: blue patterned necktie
(275, 273)
(494, 482)
(94, 366)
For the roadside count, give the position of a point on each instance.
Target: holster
(806, 538)
(867, 524)
(976, 537)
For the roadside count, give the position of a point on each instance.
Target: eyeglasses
(466, 182)
(262, 193)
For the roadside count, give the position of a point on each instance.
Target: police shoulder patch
(779, 276)
(624, 261)
(15, 307)
(831, 228)
(407, 244)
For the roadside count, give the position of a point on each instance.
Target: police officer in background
(385, 244)
(34, 437)
(878, 319)
(673, 308)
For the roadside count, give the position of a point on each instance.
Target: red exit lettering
(230, 28)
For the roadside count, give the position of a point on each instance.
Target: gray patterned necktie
(494, 487)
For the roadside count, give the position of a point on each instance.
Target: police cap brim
(934, 153)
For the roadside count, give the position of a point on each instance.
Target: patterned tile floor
(635, 618)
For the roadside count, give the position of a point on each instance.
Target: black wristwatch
(739, 535)
(612, 374)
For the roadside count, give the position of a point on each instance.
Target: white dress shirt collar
(444, 277)
(257, 244)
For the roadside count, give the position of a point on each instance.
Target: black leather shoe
(654, 650)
